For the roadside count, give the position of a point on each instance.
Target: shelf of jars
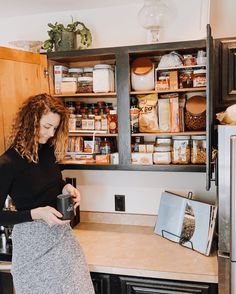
(199, 89)
(93, 95)
(187, 133)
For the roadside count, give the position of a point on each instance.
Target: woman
(46, 256)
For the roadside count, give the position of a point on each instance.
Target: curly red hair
(25, 129)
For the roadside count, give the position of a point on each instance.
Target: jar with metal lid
(199, 78)
(68, 85)
(75, 72)
(103, 78)
(181, 150)
(162, 154)
(198, 150)
(85, 85)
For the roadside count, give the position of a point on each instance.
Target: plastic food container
(162, 154)
(181, 150)
(198, 150)
(142, 74)
(199, 78)
(103, 78)
(75, 72)
(69, 85)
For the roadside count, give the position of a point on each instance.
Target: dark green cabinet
(115, 284)
(225, 73)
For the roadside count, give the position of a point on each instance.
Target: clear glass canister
(162, 154)
(85, 85)
(198, 150)
(88, 72)
(181, 150)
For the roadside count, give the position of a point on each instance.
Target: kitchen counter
(137, 251)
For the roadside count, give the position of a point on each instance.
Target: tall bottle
(134, 115)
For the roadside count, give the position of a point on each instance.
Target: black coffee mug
(65, 206)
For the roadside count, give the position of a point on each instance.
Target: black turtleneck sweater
(30, 185)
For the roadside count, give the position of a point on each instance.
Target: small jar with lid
(105, 146)
(195, 114)
(198, 150)
(75, 72)
(85, 85)
(68, 85)
(181, 150)
(199, 78)
(103, 78)
(162, 154)
(163, 140)
(98, 123)
(72, 122)
(88, 72)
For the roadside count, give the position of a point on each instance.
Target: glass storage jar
(75, 72)
(198, 150)
(199, 78)
(195, 114)
(181, 150)
(88, 72)
(85, 85)
(162, 154)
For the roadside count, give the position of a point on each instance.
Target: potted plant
(63, 38)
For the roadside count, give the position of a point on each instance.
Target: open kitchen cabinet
(24, 74)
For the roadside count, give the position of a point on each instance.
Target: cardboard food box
(102, 158)
(60, 72)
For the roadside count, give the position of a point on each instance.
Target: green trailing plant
(55, 35)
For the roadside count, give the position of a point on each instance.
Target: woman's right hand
(49, 214)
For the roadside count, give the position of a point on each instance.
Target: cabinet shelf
(72, 164)
(199, 89)
(181, 67)
(92, 95)
(189, 133)
(90, 133)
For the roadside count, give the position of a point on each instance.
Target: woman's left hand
(69, 189)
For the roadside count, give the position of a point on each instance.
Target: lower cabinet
(6, 283)
(115, 284)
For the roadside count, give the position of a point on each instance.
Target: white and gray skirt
(48, 260)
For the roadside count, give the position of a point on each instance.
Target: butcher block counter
(137, 251)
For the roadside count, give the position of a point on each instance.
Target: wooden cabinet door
(22, 74)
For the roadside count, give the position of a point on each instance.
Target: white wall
(113, 26)
(116, 27)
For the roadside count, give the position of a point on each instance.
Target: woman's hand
(49, 214)
(69, 189)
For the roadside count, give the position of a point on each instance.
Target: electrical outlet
(119, 202)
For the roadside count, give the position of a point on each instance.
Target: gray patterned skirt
(48, 260)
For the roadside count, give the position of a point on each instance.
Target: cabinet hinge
(46, 73)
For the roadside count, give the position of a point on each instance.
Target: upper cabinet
(21, 75)
(149, 118)
(225, 73)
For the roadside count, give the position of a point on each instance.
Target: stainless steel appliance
(227, 209)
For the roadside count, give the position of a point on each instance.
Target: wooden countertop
(137, 251)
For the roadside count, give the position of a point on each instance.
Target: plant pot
(67, 43)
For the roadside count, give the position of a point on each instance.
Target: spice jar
(186, 79)
(162, 154)
(199, 78)
(85, 85)
(198, 150)
(112, 122)
(72, 122)
(105, 146)
(181, 150)
(195, 114)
